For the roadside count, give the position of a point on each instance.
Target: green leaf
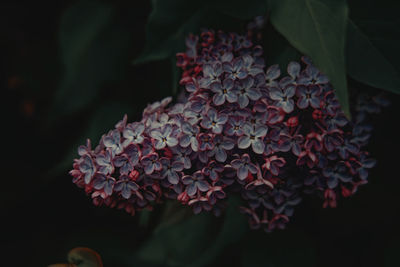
(367, 64)
(168, 22)
(185, 239)
(241, 10)
(171, 21)
(234, 227)
(177, 244)
(94, 51)
(317, 28)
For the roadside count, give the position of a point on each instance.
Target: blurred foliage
(317, 28)
(68, 76)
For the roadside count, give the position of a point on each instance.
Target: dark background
(44, 215)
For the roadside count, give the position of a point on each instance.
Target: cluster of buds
(237, 128)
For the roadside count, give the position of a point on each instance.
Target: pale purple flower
(104, 182)
(272, 74)
(192, 116)
(205, 142)
(308, 96)
(151, 163)
(312, 75)
(215, 193)
(87, 167)
(164, 137)
(243, 166)
(193, 86)
(213, 169)
(235, 69)
(224, 92)
(124, 164)
(214, 121)
(253, 136)
(246, 91)
(211, 73)
(274, 163)
(291, 142)
(104, 163)
(195, 183)
(251, 67)
(126, 186)
(113, 142)
(221, 145)
(293, 69)
(283, 97)
(182, 154)
(133, 133)
(189, 136)
(234, 126)
(87, 149)
(170, 170)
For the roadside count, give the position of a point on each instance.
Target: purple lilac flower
(308, 96)
(104, 182)
(189, 136)
(283, 97)
(87, 167)
(235, 69)
(151, 163)
(221, 145)
(198, 150)
(195, 183)
(246, 91)
(244, 166)
(212, 73)
(104, 163)
(164, 137)
(234, 126)
(113, 142)
(214, 121)
(273, 73)
(312, 75)
(133, 133)
(336, 174)
(225, 91)
(213, 169)
(171, 169)
(126, 186)
(124, 164)
(253, 136)
(182, 154)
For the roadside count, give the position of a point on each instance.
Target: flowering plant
(238, 128)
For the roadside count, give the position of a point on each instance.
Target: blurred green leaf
(240, 9)
(367, 64)
(177, 244)
(317, 28)
(185, 239)
(171, 21)
(168, 22)
(234, 227)
(279, 249)
(94, 51)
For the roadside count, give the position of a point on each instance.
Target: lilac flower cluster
(238, 129)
